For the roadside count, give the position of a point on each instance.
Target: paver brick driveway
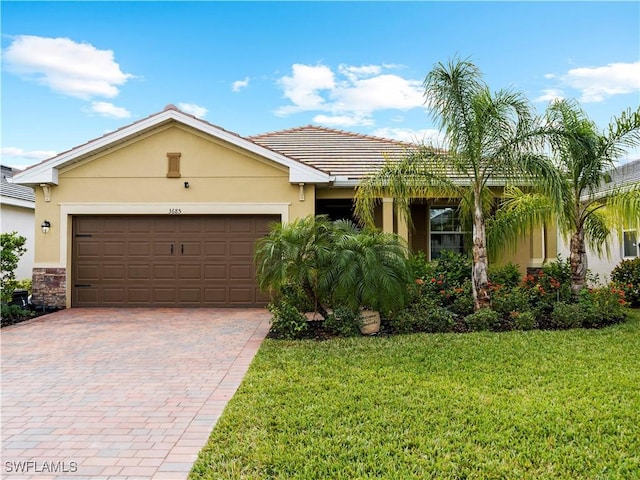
(120, 393)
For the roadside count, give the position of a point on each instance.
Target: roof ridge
(335, 130)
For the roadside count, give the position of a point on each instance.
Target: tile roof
(347, 155)
(13, 190)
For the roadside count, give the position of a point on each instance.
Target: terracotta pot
(370, 322)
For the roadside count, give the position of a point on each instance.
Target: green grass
(517, 405)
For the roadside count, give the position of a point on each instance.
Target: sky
(73, 71)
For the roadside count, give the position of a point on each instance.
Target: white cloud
(303, 88)
(427, 136)
(351, 95)
(193, 109)
(598, 83)
(75, 69)
(10, 154)
(343, 120)
(549, 76)
(240, 84)
(107, 109)
(549, 95)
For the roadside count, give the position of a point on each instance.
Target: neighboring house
(166, 211)
(620, 248)
(17, 215)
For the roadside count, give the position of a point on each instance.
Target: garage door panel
(164, 248)
(202, 260)
(113, 296)
(164, 295)
(139, 248)
(87, 272)
(140, 295)
(164, 272)
(139, 272)
(215, 249)
(190, 272)
(241, 249)
(113, 248)
(114, 272)
(89, 249)
(240, 273)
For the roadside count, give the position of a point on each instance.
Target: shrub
(287, 322)
(506, 302)
(567, 315)
(602, 306)
(423, 317)
(523, 320)
(627, 275)
(455, 268)
(343, 321)
(13, 248)
(459, 300)
(483, 319)
(506, 275)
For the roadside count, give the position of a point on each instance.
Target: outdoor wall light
(186, 184)
(45, 226)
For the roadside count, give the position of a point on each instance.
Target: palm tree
(489, 138)
(581, 204)
(334, 264)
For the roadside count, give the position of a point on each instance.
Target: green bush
(287, 321)
(343, 321)
(12, 248)
(454, 267)
(506, 275)
(459, 300)
(567, 315)
(523, 320)
(506, 301)
(483, 319)
(627, 275)
(423, 317)
(602, 306)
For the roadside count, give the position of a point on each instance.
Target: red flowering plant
(603, 306)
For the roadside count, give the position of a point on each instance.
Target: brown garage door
(183, 261)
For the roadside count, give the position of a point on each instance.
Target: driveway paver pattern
(115, 394)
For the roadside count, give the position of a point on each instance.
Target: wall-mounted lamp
(186, 184)
(45, 226)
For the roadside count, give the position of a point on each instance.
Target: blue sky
(73, 71)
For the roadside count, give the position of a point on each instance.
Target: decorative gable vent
(173, 171)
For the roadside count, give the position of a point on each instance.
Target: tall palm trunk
(578, 262)
(479, 277)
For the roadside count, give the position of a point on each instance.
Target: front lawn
(525, 405)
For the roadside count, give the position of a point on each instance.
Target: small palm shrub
(627, 275)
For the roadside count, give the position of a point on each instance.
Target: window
(629, 243)
(445, 231)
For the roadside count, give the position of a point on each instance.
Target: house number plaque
(175, 211)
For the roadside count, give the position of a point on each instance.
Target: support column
(403, 228)
(387, 215)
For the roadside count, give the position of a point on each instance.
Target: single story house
(166, 211)
(17, 205)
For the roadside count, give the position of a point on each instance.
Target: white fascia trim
(17, 202)
(68, 209)
(47, 172)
